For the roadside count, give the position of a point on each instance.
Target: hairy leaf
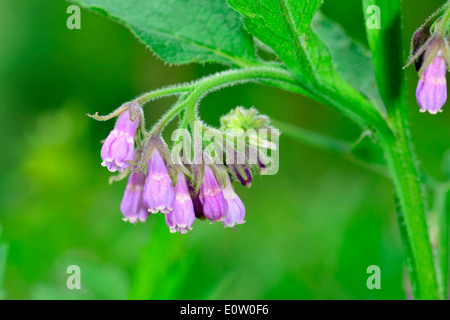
(281, 25)
(3, 255)
(183, 31)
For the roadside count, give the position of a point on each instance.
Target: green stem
(267, 74)
(232, 77)
(411, 210)
(387, 54)
(280, 78)
(164, 92)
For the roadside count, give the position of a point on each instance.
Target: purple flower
(211, 196)
(431, 91)
(182, 216)
(132, 205)
(158, 190)
(118, 147)
(236, 209)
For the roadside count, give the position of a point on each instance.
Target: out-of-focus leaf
(386, 46)
(352, 60)
(183, 31)
(3, 255)
(364, 151)
(369, 152)
(446, 164)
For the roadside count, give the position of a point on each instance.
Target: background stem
(440, 209)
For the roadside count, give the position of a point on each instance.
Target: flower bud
(431, 90)
(241, 119)
(158, 190)
(243, 174)
(211, 197)
(236, 209)
(118, 147)
(198, 208)
(182, 216)
(262, 166)
(132, 205)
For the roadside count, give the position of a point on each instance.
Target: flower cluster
(182, 192)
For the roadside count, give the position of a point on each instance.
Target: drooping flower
(182, 216)
(236, 209)
(158, 190)
(211, 197)
(431, 90)
(118, 147)
(132, 205)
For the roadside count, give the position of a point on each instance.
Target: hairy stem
(232, 77)
(411, 210)
(164, 92)
(387, 55)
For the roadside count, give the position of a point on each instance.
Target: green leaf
(284, 25)
(183, 31)
(281, 24)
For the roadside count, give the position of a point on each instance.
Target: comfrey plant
(289, 45)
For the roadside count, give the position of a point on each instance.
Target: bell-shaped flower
(118, 148)
(236, 209)
(158, 190)
(431, 90)
(182, 216)
(211, 197)
(132, 205)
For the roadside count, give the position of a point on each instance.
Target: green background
(311, 232)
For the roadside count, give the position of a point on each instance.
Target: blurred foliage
(312, 230)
